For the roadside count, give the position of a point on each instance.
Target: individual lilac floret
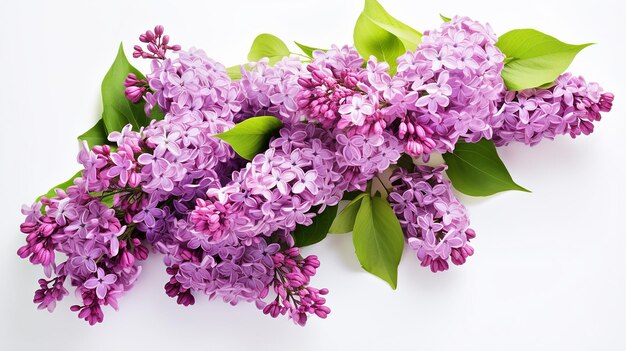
(569, 107)
(447, 89)
(435, 223)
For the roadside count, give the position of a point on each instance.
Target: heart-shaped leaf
(372, 40)
(270, 46)
(378, 239)
(534, 58)
(476, 169)
(250, 137)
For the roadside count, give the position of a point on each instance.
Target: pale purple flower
(356, 110)
(167, 142)
(101, 283)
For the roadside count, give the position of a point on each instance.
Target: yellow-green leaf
(252, 136)
(534, 58)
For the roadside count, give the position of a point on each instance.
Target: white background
(549, 270)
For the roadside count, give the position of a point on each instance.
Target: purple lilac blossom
(447, 89)
(336, 93)
(223, 225)
(271, 89)
(569, 107)
(434, 222)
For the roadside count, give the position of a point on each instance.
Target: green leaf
(96, 135)
(66, 184)
(475, 169)
(156, 113)
(250, 137)
(344, 222)
(108, 201)
(117, 110)
(378, 239)
(307, 50)
(372, 40)
(444, 18)
(234, 72)
(409, 37)
(351, 195)
(406, 162)
(270, 46)
(317, 231)
(534, 58)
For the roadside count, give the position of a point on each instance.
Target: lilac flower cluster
(224, 225)
(337, 93)
(569, 107)
(278, 188)
(449, 87)
(101, 253)
(435, 223)
(162, 187)
(272, 90)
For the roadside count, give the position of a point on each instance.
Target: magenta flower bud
(175, 47)
(586, 127)
(75, 308)
(165, 40)
(141, 253)
(309, 270)
(134, 93)
(48, 228)
(411, 128)
(130, 80)
(134, 180)
(470, 233)
(402, 130)
(127, 260)
(27, 227)
(150, 36)
(158, 30)
(186, 255)
(293, 252)
(185, 299)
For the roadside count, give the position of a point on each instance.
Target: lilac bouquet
(227, 172)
